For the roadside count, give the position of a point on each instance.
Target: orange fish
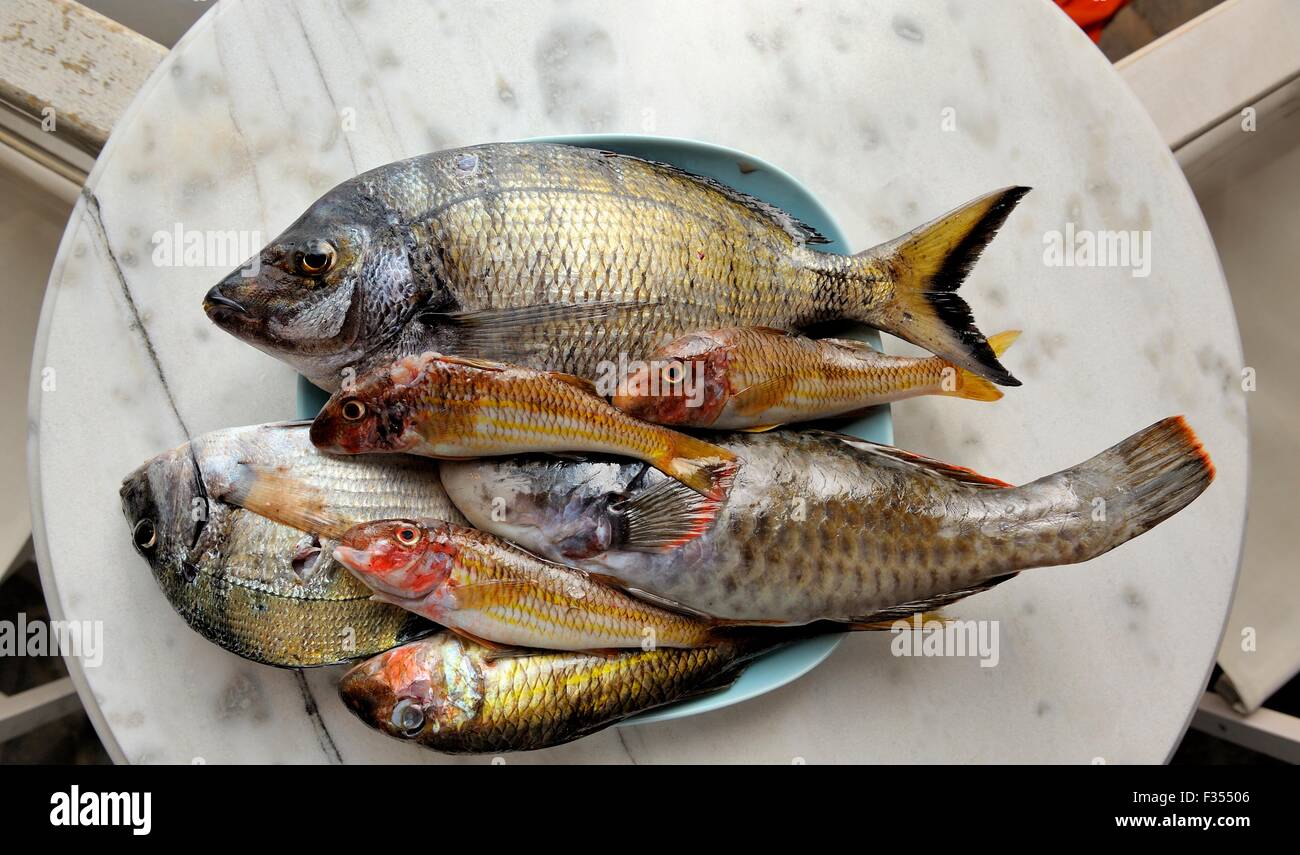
(755, 378)
(447, 407)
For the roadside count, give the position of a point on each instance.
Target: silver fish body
(822, 526)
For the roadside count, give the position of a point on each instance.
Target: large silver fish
(565, 259)
(265, 590)
(824, 526)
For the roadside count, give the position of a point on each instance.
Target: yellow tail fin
(971, 386)
(927, 266)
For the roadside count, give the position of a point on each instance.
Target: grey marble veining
(891, 113)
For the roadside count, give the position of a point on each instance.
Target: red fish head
(683, 384)
(401, 558)
(370, 415)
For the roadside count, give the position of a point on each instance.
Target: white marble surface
(239, 129)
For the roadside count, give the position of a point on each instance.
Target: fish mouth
(356, 560)
(221, 308)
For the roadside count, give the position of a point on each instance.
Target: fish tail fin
(1152, 475)
(1126, 490)
(705, 468)
(971, 386)
(926, 267)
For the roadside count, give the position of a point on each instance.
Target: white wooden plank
(1215, 65)
(58, 54)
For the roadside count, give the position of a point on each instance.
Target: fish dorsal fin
(797, 229)
(850, 345)
(482, 364)
(957, 473)
(576, 382)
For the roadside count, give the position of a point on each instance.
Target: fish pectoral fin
(516, 333)
(663, 517)
(760, 428)
(274, 493)
(489, 592)
(494, 651)
(762, 396)
(938, 467)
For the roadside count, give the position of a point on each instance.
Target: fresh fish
(565, 259)
(497, 594)
(754, 378)
(448, 407)
(259, 588)
(452, 695)
(820, 525)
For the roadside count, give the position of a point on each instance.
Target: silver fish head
(173, 525)
(555, 507)
(320, 294)
(419, 689)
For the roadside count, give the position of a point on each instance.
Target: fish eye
(407, 717)
(353, 410)
(316, 258)
(144, 536)
(408, 535)
(673, 373)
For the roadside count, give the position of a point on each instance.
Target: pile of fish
(524, 546)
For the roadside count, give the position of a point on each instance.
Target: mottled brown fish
(755, 378)
(564, 258)
(825, 526)
(265, 590)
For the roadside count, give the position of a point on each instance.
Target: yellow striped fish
(755, 378)
(496, 594)
(448, 407)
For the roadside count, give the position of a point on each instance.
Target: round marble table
(890, 113)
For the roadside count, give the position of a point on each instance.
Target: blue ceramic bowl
(767, 182)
